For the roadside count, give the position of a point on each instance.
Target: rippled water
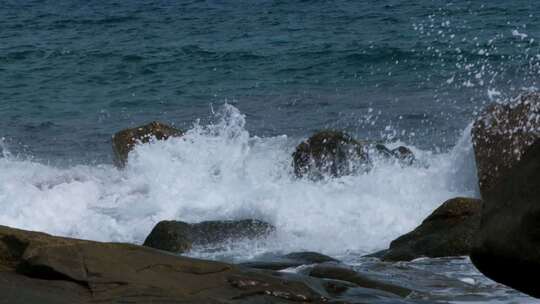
(73, 72)
(248, 80)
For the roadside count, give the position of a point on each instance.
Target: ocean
(248, 81)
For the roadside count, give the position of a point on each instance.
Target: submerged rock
(39, 268)
(507, 150)
(124, 141)
(294, 259)
(448, 231)
(335, 154)
(179, 237)
(359, 279)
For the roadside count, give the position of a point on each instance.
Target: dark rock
(507, 150)
(294, 259)
(179, 237)
(337, 287)
(448, 231)
(39, 268)
(359, 279)
(501, 136)
(335, 154)
(404, 155)
(309, 257)
(124, 141)
(329, 153)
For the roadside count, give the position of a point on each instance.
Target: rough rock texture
(331, 153)
(502, 134)
(39, 268)
(335, 154)
(507, 150)
(179, 237)
(448, 231)
(124, 141)
(294, 259)
(359, 279)
(404, 155)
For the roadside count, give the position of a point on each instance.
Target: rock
(329, 153)
(501, 136)
(335, 154)
(179, 237)
(359, 279)
(39, 268)
(124, 141)
(309, 257)
(448, 231)
(404, 155)
(294, 259)
(507, 151)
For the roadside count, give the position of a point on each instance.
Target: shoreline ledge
(39, 268)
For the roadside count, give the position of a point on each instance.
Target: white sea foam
(220, 172)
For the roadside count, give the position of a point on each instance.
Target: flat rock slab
(77, 271)
(359, 279)
(290, 260)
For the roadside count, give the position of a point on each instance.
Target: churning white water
(220, 172)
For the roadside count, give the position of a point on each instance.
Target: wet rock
(294, 259)
(448, 231)
(507, 150)
(404, 155)
(335, 154)
(329, 153)
(309, 257)
(401, 154)
(124, 141)
(179, 237)
(39, 268)
(501, 136)
(359, 279)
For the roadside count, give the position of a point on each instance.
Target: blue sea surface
(74, 72)
(248, 81)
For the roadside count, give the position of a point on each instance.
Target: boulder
(124, 141)
(448, 231)
(39, 268)
(335, 153)
(329, 153)
(507, 150)
(179, 237)
(501, 136)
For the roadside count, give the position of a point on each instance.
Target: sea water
(248, 81)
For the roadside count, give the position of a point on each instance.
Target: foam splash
(218, 172)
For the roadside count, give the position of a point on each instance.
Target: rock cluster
(335, 153)
(501, 232)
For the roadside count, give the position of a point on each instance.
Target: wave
(219, 171)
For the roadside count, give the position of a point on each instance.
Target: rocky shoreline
(499, 232)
